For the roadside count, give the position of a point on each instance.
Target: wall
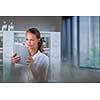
(44, 23)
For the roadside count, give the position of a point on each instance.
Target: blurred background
(79, 43)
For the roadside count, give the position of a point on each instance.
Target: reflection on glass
(1, 42)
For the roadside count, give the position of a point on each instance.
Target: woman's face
(31, 41)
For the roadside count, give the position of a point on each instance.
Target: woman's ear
(39, 40)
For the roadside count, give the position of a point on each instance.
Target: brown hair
(36, 32)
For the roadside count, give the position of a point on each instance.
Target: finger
(29, 58)
(17, 60)
(14, 55)
(17, 57)
(29, 61)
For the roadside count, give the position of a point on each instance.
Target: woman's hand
(15, 58)
(29, 61)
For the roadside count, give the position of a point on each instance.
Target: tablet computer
(22, 51)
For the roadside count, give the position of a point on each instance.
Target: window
(89, 39)
(82, 40)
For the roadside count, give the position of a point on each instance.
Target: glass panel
(75, 57)
(94, 55)
(1, 49)
(89, 42)
(1, 56)
(84, 41)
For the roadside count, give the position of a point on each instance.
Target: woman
(37, 62)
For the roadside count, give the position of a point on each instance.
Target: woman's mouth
(29, 45)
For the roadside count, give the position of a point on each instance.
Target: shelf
(1, 67)
(1, 35)
(22, 34)
(1, 48)
(19, 35)
(1, 62)
(46, 49)
(1, 51)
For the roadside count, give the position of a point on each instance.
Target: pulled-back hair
(36, 32)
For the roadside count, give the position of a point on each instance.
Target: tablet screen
(22, 51)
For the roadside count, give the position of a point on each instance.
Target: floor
(71, 74)
(78, 75)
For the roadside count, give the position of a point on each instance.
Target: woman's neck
(32, 52)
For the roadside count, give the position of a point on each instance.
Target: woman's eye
(32, 40)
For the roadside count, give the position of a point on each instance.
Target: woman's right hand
(15, 58)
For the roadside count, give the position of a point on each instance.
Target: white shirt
(24, 73)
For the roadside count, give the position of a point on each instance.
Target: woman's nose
(29, 42)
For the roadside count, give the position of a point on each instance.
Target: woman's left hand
(29, 61)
